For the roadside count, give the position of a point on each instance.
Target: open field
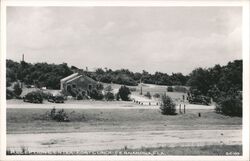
(94, 129)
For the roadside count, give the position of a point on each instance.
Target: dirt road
(95, 141)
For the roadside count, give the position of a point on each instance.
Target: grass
(89, 120)
(217, 150)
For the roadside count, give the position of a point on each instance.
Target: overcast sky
(165, 39)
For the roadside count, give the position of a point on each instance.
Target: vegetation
(60, 115)
(9, 94)
(221, 83)
(109, 96)
(49, 75)
(39, 74)
(168, 106)
(124, 93)
(96, 94)
(17, 90)
(34, 97)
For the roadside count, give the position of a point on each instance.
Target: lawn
(84, 120)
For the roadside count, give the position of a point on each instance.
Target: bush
(148, 95)
(99, 87)
(60, 116)
(9, 94)
(124, 93)
(33, 97)
(156, 95)
(168, 106)
(79, 96)
(170, 89)
(17, 90)
(109, 96)
(231, 106)
(95, 94)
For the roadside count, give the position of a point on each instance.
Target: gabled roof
(69, 77)
(74, 78)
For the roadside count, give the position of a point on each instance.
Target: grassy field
(84, 120)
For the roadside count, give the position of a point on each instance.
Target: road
(95, 141)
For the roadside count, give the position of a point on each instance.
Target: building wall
(80, 84)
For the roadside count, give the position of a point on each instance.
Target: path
(94, 141)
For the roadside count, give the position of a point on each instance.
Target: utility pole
(141, 87)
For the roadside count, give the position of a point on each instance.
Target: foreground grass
(89, 120)
(217, 150)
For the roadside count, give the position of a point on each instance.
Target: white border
(246, 94)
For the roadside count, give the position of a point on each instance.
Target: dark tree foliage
(39, 74)
(17, 90)
(124, 93)
(221, 83)
(168, 106)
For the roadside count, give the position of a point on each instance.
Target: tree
(124, 93)
(17, 90)
(168, 106)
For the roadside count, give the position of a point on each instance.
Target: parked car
(56, 99)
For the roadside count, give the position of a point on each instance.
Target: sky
(164, 39)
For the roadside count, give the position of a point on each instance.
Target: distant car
(56, 99)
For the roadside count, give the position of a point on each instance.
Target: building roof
(69, 77)
(73, 79)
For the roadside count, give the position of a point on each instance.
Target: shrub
(60, 116)
(9, 94)
(33, 97)
(157, 95)
(17, 90)
(95, 94)
(124, 93)
(109, 96)
(79, 96)
(168, 106)
(170, 89)
(231, 106)
(99, 87)
(148, 95)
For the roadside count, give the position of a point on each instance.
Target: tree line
(49, 75)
